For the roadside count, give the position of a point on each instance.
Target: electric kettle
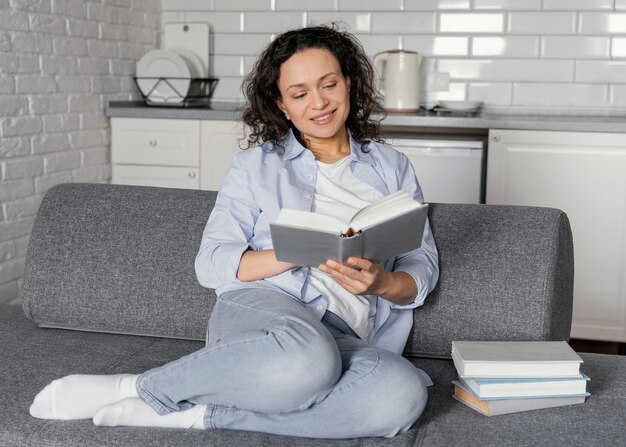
(399, 79)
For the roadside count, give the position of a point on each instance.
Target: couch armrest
(507, 273)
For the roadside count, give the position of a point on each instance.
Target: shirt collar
(293, 148)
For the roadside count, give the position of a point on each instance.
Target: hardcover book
(505, 406)
(505, 388)
(515, 359)
(382, 230)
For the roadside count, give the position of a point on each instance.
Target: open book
(382, 230)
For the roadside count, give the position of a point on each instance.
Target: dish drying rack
(198, 95)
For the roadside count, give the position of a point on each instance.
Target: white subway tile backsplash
(228, 89)
(575, 47)
(457, 91)
(355, 22)
(225, 65)
(242, 5)
(578, 5)
(506, 46)
(528, 70)
(618, 47)
(602, 23)
(304, 5)
(272, 22)
(429, 45)
(370, 5)
(542, 23)
(185, 5)
(617, 95)
(508, 5)
(240, 43)
(172, 17)
(497, 93)
(471, 23)
(375, 43)
(560, 95)
(404, 22)
(219, 22)
(601, 71)
(620, 4)
(433, 5)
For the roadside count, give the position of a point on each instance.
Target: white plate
(193, 61)
(461, 106)
(156, 66)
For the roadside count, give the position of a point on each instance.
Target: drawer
(161, 176)
(161, 142)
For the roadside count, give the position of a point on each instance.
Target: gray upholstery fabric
(507, 273)
(32, 357)
(120, 259)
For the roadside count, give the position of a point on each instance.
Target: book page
(393, 205)
(308, 220)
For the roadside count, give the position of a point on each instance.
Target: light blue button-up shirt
(261, 182)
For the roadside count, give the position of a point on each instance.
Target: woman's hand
(362, 277)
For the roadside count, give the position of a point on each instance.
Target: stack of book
(508, 377)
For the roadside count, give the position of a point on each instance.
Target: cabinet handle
(152, 142)
(191, 174)
(495, 138)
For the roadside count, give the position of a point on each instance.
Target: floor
(600, 347)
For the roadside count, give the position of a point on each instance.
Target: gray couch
(109, 287)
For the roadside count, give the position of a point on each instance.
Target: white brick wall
(513, 54)
(61, 62)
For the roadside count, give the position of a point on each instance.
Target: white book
(509, 388)
(533, 359)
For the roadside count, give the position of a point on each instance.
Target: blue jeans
(270, 366)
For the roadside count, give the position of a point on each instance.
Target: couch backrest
(112, 258)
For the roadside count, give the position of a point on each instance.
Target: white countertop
(405, 122)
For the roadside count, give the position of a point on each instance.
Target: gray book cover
(507, 406)
(385, 240)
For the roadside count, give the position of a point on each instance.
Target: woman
(290, 350)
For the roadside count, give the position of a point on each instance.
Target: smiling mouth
(323, 118)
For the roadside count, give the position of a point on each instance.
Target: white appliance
(448, 170)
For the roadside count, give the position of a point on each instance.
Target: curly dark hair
(260, 87)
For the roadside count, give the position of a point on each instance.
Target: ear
(281, 106)
(348, 81)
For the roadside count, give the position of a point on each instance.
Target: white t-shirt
(339, 194)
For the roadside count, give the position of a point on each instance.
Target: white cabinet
(584, 174)
(172, 153)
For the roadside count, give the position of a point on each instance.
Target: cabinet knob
(191, 174)
(495, 138)
(152, 142)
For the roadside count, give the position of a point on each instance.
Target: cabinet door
(219, 143)
(161, 176)
(584, 174)
(160, 142)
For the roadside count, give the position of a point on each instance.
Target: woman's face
(315, 95)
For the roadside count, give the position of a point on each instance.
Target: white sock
(80, 396)
(134, 412)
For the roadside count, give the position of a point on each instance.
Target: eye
(330, 85)
(299, 95)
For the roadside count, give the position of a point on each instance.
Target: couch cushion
(32, 357)
(118, 259)
(507, 273)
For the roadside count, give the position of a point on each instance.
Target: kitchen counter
(397, 122)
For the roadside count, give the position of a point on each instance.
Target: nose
(319, 101)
